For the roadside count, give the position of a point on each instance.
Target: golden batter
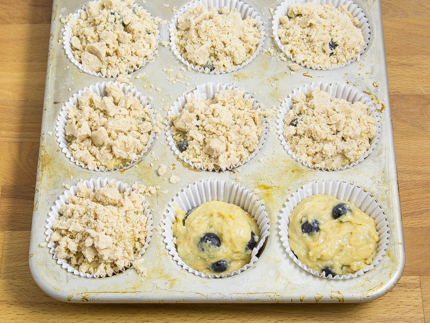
(332, 236)
(216, 237)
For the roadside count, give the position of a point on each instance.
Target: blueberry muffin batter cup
(352, 7)
(215, 190)
(62, 200)
(242, 7)
(342, 191)
(100, 89)
(205, 92)
(347, 92)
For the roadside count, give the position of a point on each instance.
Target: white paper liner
(353, 8)
(100, 89)
(67, 36)
(62, 200)
(337, 90)
(215, 190)
(343, 191)
(242, 7)
(205, 92)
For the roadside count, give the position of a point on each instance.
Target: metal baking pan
(273, 174)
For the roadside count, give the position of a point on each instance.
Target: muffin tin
(272, 175)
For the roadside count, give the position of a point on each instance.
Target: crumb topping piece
(100, 232)
(112, 36)
(321, 35)
(328, 132)
(219, 132)
(216, 39)
(107, 130)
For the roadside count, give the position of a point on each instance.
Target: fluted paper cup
(205, 92)
(100, 89)
(242, 7)
(340, 91)
(67, 37)
(215, 190)
(342, 191)
(63, 200)
(351, 6)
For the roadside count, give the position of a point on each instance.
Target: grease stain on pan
(337, 295)
(376, 100)
(318, 297)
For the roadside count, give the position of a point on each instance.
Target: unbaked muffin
(332, 236)
(111, 37)
(217, 133)
(216, 39)
(216, 237)
(327, 132)
(320, 36)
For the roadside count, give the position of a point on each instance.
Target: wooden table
(24, 37)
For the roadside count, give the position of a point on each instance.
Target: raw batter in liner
(332, 236)
(216, 237)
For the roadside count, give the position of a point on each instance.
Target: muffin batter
(216, 237)
(332, 236)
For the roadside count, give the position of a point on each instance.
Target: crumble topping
(108, 131)
(321, 35)
(100, 232)
(216, 39)
(328, 132)
(112, 36)
(219, 132)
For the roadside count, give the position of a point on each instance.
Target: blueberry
(340, 209)
(332, 45)
(210, 239)
(209, 65)
(183, 221)
(182, 145)
(294, 122)
(327, 271)
(310, 227)
(251, 243)
(186, 216)
(219, 266)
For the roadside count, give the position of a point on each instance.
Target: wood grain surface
(24, 38)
